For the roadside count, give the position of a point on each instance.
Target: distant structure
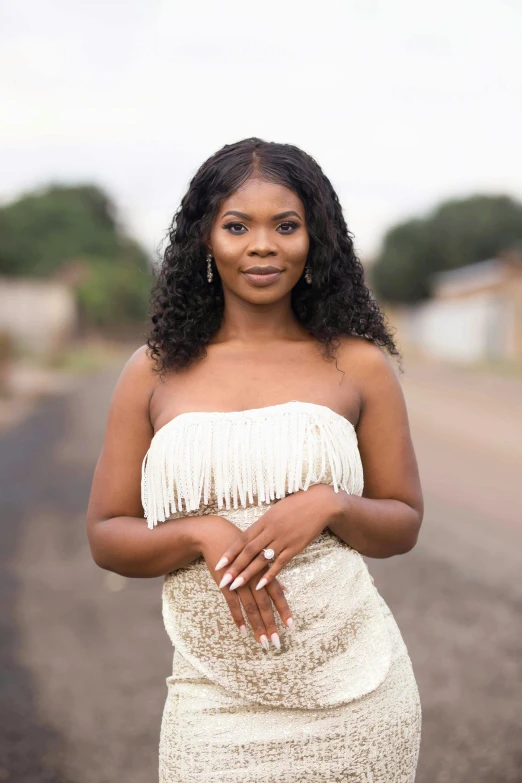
(475, 312)
(38, 316)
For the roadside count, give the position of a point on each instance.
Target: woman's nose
(262, 244)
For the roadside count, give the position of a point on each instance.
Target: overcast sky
(403, 103)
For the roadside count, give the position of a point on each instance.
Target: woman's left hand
(287, 527)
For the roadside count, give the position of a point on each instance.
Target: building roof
(465, 279)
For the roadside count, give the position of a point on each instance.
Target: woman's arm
(119, 538)
(386, 520)
(118, 535)
(125, 545)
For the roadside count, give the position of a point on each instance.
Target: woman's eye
(230, 226)
(288, 226)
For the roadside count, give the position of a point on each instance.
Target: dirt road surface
(84, 654)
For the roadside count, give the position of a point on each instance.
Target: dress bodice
(237, 464)
(227, 459)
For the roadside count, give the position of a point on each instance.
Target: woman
(241, 431)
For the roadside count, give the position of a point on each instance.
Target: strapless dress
(339, 700)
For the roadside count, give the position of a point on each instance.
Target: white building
(475, 313)
(40, 316)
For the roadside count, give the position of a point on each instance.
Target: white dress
(338, 702)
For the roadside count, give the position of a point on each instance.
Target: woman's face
(260, 226)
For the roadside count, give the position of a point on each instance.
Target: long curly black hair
(186, 311)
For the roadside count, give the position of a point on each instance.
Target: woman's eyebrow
(286, 214)
(280, 216)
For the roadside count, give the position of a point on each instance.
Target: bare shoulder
(141, 364)
(134, 388)
(365, 362)
(116, 484)
(139, 373)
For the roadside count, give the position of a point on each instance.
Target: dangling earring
(209, 268)
(308, 274)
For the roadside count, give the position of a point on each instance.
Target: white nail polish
(290, 622)
(237, 582)
(275, 640)
(263, 640)
(262, 582)
(222, 562)
(243, 630)
(226, 579)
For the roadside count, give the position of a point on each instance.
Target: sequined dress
(339, 701)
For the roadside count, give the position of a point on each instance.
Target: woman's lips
(262, 280)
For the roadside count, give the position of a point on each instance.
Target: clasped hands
(288, 527)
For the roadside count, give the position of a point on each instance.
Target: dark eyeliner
(292, 223)
(233, 223)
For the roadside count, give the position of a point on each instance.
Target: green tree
(45, 230)
(113, 294)
(457, 233)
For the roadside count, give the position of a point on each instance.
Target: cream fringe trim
(242, 455)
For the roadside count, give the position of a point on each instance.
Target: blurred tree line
(47, 232)
(457, 233)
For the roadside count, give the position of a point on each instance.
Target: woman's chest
(240, 381)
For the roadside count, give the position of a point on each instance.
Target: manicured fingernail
(226, 579)
(275, 640)
(222, 562)
(243, 630)
(237, 583)
(263, 640)
(262, 582)
(290, 622)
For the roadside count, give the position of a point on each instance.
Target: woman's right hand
(216, 535)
